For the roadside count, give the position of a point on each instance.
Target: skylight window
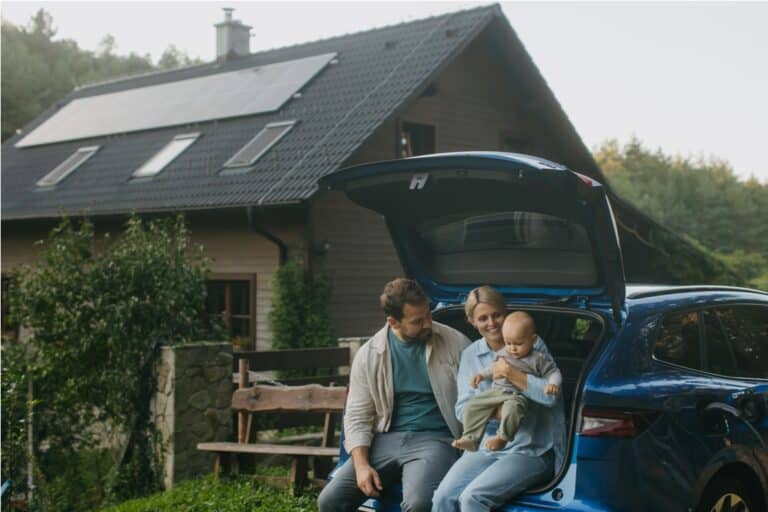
(165, 156)
(260, 144)
(68, 166)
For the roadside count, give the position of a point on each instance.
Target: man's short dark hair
(399, 292)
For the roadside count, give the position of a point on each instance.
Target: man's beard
(422, 336)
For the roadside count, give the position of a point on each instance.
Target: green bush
(300, 317)
(239, 494)
(97, 319)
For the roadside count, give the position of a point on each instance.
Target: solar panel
(260, 144)
(68, 166)
(165, 156)
(243, 92)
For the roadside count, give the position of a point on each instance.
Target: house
(239, 144)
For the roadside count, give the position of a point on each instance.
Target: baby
(519, 333)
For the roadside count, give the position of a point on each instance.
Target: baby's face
(519, 344)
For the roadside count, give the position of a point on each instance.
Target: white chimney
(232, 37)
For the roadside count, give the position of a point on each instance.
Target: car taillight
(614, 423)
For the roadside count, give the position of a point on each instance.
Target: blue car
(665, 388)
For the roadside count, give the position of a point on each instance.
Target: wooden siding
(235, 249)
(361, 258)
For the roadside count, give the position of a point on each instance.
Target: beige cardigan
(371, 393)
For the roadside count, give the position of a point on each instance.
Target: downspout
(250, 212)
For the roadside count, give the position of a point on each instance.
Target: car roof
(642, 291)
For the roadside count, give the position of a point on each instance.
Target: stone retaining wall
(192, 405)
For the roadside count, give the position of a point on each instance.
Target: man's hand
(368, 481)
(476, 380)
(551, 389)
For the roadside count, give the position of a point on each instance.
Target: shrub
(97, 318)
(300, 317)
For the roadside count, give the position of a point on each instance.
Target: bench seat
(266, 448)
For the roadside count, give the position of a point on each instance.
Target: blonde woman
(485, 479)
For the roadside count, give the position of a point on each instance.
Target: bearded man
(399, 420)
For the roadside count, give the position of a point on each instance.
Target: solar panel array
(248, 91)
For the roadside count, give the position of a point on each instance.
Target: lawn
(235, 494)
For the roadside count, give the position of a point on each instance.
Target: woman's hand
(503, 370)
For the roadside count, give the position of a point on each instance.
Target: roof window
(166, 155)
(68, 166)
(260, 144)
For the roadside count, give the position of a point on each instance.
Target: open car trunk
(571, 335)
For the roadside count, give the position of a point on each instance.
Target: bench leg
(246, 463)
(322, 466)
(222, 464)
(299, 477)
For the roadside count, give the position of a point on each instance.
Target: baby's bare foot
(464, 444)
(495, 443)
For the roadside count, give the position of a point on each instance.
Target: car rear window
(678, 340)
(507, 248)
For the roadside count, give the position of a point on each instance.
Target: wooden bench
(305, 401)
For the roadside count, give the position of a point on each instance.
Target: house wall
(474, 108)
(234, 249)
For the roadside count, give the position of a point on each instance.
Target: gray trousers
(420, 459)
(479, 409)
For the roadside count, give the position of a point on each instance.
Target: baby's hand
(551, 389)
(476, 380)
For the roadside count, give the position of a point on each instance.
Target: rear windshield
(507, 248)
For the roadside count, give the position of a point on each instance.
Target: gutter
(250, 212)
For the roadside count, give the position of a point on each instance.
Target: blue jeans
(419, 458)
(481, 482)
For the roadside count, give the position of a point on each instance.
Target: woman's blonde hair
(483, 295)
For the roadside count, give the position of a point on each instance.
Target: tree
(173, 58)
(38, 71)
(97, 319)
(703, 199)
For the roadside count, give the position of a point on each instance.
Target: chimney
(232, 37)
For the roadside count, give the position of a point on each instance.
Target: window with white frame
(166, 155)
(68, 166)
(260, 144)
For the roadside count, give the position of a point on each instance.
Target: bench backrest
(309, 398)
(297, 359)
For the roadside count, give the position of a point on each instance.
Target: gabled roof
(376, 73)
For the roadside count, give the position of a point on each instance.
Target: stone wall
(192, 405)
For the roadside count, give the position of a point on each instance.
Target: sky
(690, 78)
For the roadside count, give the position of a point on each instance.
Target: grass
(235, 494)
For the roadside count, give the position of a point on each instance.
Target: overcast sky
(690, 78)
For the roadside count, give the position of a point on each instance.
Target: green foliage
(13, 386)
(300, 317)
(226, 495)
(37, 71)
(97, 318)
(702, 199)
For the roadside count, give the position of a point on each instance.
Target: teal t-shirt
(416, 409)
